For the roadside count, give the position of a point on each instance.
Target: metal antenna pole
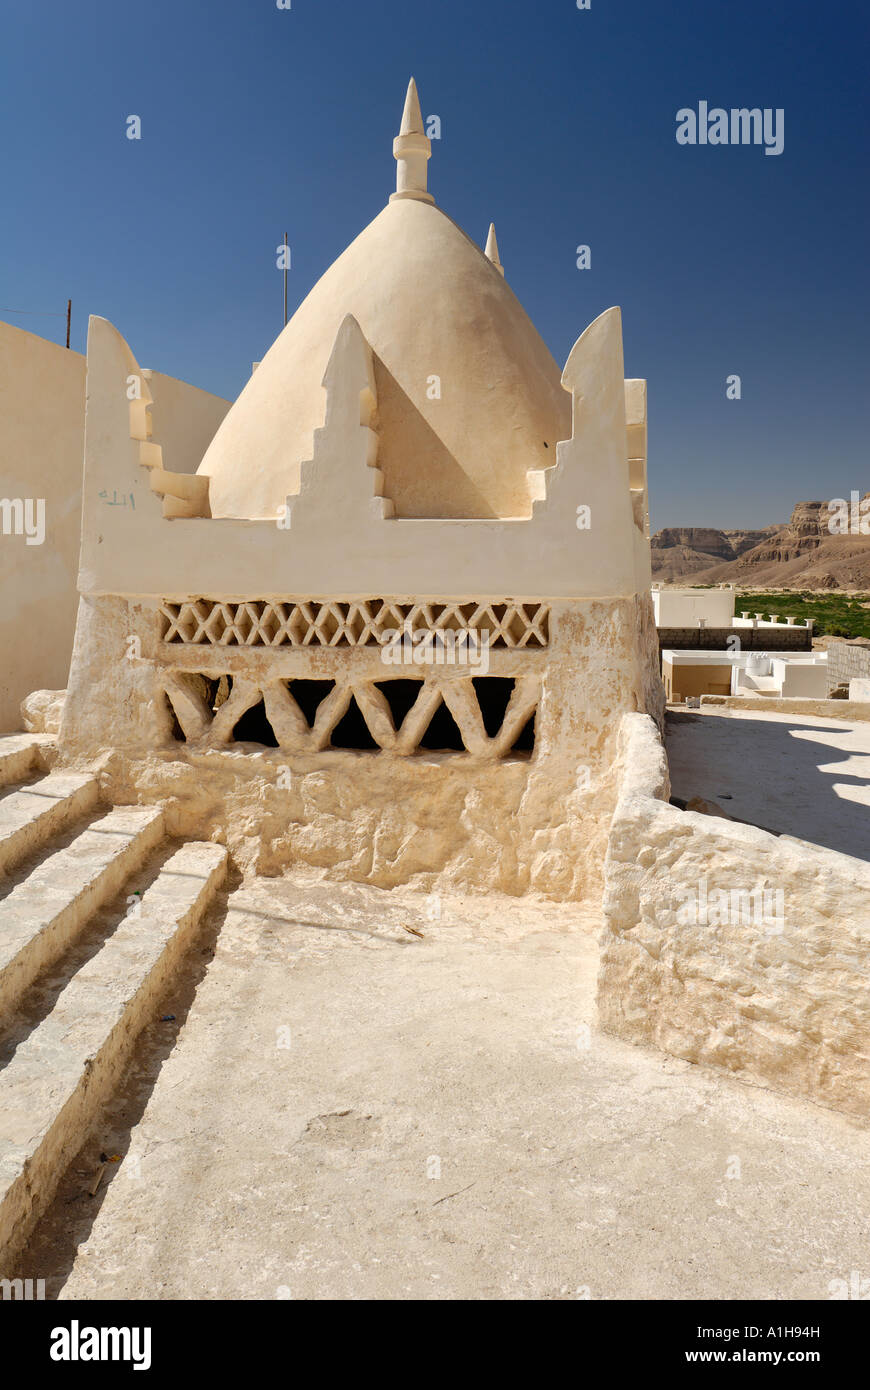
(285, 279)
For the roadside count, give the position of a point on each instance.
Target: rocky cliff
(803, 550)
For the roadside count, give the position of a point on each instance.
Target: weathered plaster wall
(516, 825)
(788, 1009)
(42, 423)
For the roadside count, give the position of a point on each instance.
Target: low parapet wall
(780, 638)
(729, 946)
(821, 709)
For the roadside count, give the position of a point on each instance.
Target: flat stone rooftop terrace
(345, 1109)
(794, 774)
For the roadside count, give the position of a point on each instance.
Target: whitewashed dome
(432, 306)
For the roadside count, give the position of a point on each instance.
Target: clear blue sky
(559, 124)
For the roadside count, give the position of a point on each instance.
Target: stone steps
(19, 756)
(63, 1073)
(42, 915)
(30, 816)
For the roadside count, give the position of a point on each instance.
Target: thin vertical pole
(68, 319)
(285, 279)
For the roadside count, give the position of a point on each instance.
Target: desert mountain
(802, 553)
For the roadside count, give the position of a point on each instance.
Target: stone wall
(795, 705)
(779, 999)
(846, 663)
(781, 638)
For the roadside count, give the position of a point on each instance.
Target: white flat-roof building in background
(784, 675)
(688, 607)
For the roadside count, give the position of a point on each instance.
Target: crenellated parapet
(338, 536)
(127, 492)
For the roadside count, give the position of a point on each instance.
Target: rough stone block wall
(781, 638)
(846, 663)
(786, 1007)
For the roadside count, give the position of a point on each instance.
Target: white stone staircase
(66, 1068)
(19, 756)
(43, 914)
(29, 817)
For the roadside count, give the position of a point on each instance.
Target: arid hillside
(802, 552)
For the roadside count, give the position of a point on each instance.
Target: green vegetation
(835, 615)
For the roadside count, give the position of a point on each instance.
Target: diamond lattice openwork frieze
(358, 623)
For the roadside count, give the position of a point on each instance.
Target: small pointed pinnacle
(492, 248)
(412, 149)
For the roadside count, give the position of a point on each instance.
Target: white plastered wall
(42, 421)
(683, 607)
(42, 427)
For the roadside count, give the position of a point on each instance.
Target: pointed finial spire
(492, 249)
(412, 116)
(412, 149)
